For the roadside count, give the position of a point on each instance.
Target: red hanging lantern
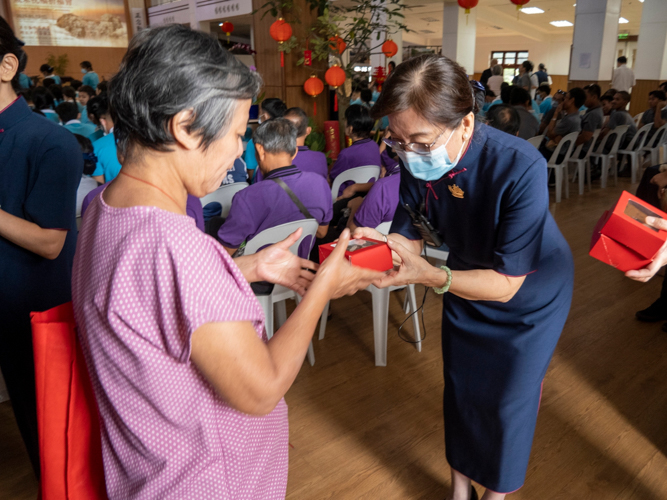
(313, 87)
(519, 5)
(227, 28)
(389, 48)
(335, 77)
(281, 31)
(337, 44)
(468, 4)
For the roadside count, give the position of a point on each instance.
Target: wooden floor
(361, 432)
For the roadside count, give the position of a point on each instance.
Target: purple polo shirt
(264, 205)
(306, 161)
(387, 161)
(380, 203)
(193, 207)
(359, 154)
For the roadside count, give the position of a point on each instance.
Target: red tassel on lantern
(281, 31)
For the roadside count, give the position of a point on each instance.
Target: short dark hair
(527, 65)
(541, 67)
(359, 118)
(607, 98)
(45, 68)
(610, 92)
(490, 93)
(56, 91)
(658, 94)
(505, 93)
(67, 111)
(578, 95)
(519, 96)
(75, 84)
(302, 119)
(624, 95)
(593, 89)
(169, 69)
(89, 163)
(436, 87)
(87, 89)
(392, 65)
(86, 65)
(277, 135)
(102, 86)
(663, 86)
(69, 92)
(9, 44)
(42, 98)
(275, 107)
(622, 60)
(98, 106)
(366, 95)
(504, 117)
(544, 88)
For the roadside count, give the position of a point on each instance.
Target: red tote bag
(68, 421)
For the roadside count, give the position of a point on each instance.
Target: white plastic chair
(280, 293)
(358, 175)
(633, 151)
(560, 169)
(638, 118)
(582, 164)
(536, 141)
(380, 297)
(608, 160)
(224, 195)
(652, 147)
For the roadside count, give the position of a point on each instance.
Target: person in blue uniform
(90, 78)
(507, 285)
(40, 170)
(105, 149)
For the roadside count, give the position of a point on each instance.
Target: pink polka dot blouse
(144, 280)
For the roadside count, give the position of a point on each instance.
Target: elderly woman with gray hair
(190, 391)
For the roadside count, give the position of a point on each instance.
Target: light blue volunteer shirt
(107, 159)
(249, 157)
(91, 79)
(24, 81)
(76, 127)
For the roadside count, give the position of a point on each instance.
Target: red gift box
(621, 237)
(363, 252)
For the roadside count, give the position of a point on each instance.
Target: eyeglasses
(419, 148)
(561, 92)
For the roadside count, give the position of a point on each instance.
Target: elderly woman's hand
(276, 264)
(414, 246)
(658, 261)
(412, 268)
(343, 277)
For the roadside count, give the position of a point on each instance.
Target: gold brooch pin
(456, 191)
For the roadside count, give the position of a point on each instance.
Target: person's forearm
(551, 129)
(47, 243)
(583, 138)
(476, 284)
(247, 265)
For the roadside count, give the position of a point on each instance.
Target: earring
(465, 137)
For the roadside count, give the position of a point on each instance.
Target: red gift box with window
(621, 237)
(363, 252)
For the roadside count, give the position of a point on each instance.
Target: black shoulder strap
(293, 197)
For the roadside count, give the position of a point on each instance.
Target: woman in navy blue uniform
(40, 170)
(508, 281)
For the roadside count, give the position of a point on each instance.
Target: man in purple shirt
(380, 203)
(267, 204)
(305, 159)
(363, 151)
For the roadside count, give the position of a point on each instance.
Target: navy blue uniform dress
(40, 170)
(492, 211)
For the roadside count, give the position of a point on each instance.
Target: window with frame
(510, 60)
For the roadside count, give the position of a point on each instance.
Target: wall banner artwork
(70, 23)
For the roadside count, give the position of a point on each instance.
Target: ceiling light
(532, 10)
(623, 20)
(561, 24)
(641, 1)
(220, 24)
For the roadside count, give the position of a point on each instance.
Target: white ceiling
(499, 18)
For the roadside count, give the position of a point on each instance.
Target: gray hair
(171, 69)
(276, 136)
(497, 69)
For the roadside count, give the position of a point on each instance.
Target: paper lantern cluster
(281, 31)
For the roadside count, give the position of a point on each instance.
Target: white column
(459, 31)
(375, 43)
(595, 38)
(651, 61)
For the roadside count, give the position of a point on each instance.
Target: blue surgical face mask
(431, 166)
(84, 70)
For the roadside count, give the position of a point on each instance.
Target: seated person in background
(489, 100)
(363, 151)
(268, 109)
(101, 88)
(506, 92)
(592, 119)
(557, 98)
(108, 165)
(68, 113)
(505, 118)
(619, 116)
(544, 91)
(69, 95)
(566, 120)
(267, 204)
(85, 94)
(57, 93)
(520, 99)
(305, 159)
(605, 102)
(656, 112)
(366, 96)
(42, 100)
(238, 173)
(87, 184)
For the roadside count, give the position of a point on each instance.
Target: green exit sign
(623, 36)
